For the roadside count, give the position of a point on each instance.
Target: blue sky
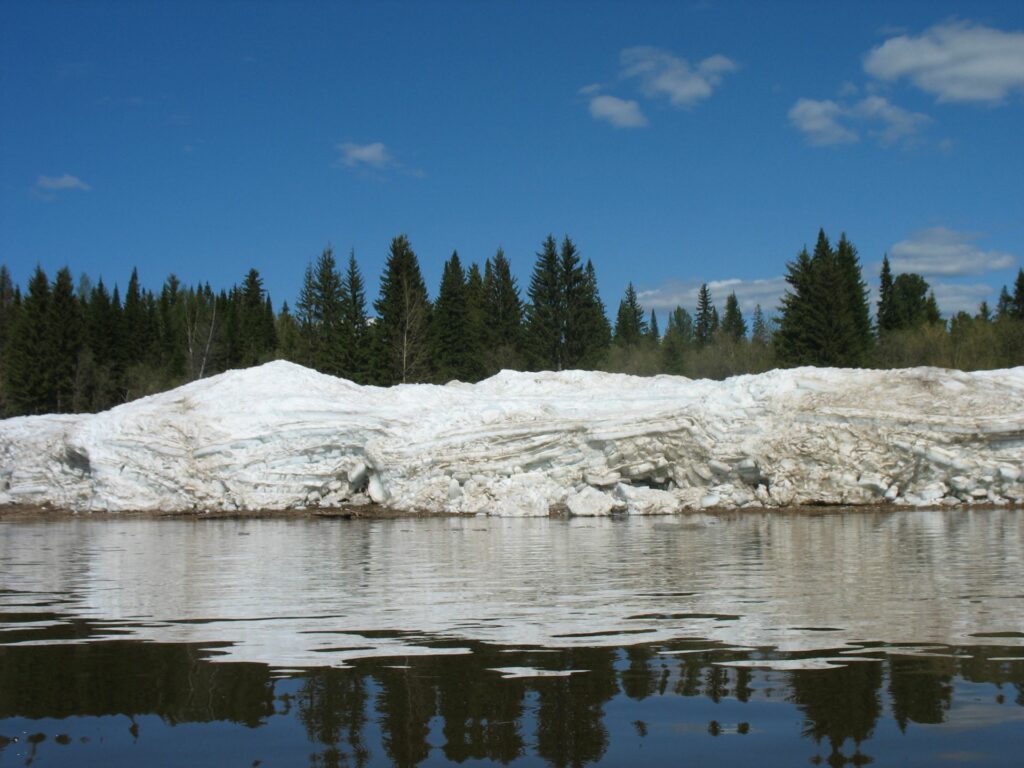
(674, 142)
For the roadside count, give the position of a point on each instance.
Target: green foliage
(502, 316)
(706, 319)
(450, 325)
(733, 324)
(354, 352)
(27, 368)
(678, 342)
(402, 331)
(825, 319)
(544, 311)
(630, 327)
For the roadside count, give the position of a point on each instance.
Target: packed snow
(282, 436)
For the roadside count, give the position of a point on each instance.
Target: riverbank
(46, 512)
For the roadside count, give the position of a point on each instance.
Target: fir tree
(733, 324)
(544, 311)
(797, 312)
(402, 331)
(135, 332)
(630, 326)
(1004, 308)
(984, 313)
(450, 320)
(287, 330)
(258, 335)
(706, 319)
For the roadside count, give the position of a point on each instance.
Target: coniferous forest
(73, 346)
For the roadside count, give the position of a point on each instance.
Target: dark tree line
(83, 347)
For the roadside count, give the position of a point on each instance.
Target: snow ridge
(283, 436)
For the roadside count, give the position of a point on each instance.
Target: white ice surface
(282, 436)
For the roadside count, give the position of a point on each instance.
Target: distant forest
(73, 347)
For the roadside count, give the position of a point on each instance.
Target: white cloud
(662, 74)
(819, 122)
(943, 251)
(961, 297)
(672, 293)
(373, 155)
(955, 61)
(827, 122)
(622, 113)
(60, 183)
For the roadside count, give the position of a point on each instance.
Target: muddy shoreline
(44, 513)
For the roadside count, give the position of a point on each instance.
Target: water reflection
(410, 711)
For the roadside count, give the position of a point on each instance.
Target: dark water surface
(753, 639)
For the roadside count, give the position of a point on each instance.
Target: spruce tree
(733, 324)
(258, 337)
(329, 341)
(678, 340)
(64, 342)
(706, 319)
(797, 313)
(1004, 307)
(857, 331)
(476, 326)
(653, 332)
(885, 318)
(6, 305)
(30, 356)
(287, 330)
(355, 336)
(503, 314)
(630, 326)
(909, 301)
(402, 331)
(450, 324)
(1017, 304)
(135, 332)
(594, 328)
(544, 311)
(759, 328)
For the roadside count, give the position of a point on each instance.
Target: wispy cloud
(47, 187)
(662, 74)
(943, 251)
(622, 113)
(374, 155)
(683, 293)
(954, 61)
(827, 122)
(657, 74)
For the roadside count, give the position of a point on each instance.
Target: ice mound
(283, 436)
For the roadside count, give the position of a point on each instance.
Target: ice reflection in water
(296, 593)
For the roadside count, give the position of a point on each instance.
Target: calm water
(754, 639)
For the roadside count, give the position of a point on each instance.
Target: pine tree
(733, 325)
(910, 306)
(135, 333)
(354, 332)
(544, 311)
(287, 330)
(706, 319)
(984, 313)
(6, 305)
(402, 331)
(450, 324)
(630, 326)
(797, 312)
(932, 315)
(1004, 307)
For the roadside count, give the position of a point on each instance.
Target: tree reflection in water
(457, 708)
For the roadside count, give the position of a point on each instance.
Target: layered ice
(282, 436)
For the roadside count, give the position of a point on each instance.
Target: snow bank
(282, 436)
